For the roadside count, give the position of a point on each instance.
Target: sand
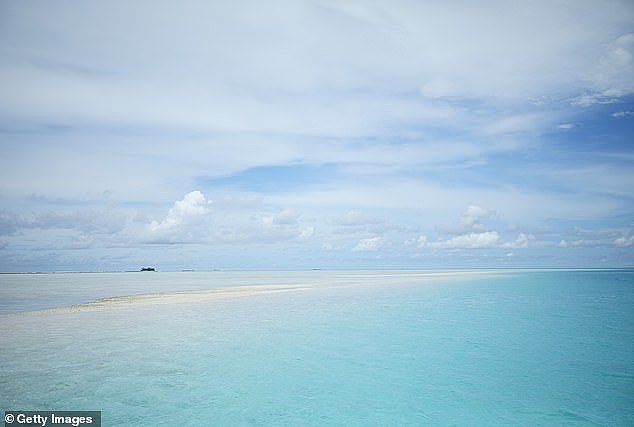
(189, 296)
(132, 301)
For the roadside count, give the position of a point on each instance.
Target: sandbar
(132, 301)
(344, 278)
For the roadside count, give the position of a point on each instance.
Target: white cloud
(595, 237)
(624, 241)
(285, 217)
(469, 221)
(623, 114)
(521, 241)
(475, 240)
(369, 245)
(253, 116)
(610, 78)
(191, 220)
(247, 225)
(593, 99)
(474, 214)
(612, 74)
(602, 97)
(448, 107)
(422, 241)
(193, 206)
(566, 126)
(306, 80)
(517, 123)
(329, 246)
(487, 239)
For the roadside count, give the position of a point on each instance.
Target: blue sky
(305, 134)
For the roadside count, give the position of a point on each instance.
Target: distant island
(148, 269)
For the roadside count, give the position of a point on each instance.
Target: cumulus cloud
(470, 233)
(192, 220)
(521, 241)
(598, 237)
(477, 240)
(370, 244)
(284, 225)
(193, 207)
(486, 239)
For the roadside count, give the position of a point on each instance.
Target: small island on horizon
(148, 269)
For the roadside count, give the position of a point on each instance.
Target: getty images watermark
(52, 418)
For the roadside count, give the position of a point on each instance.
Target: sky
(316, 134)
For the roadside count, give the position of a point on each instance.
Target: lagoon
(494, 347)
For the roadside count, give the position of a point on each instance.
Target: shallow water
(26, 292)
(516, 348)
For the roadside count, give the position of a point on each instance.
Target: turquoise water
(516, 348)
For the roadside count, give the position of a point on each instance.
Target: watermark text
(52, 418)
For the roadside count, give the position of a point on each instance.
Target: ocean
(340, 348)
